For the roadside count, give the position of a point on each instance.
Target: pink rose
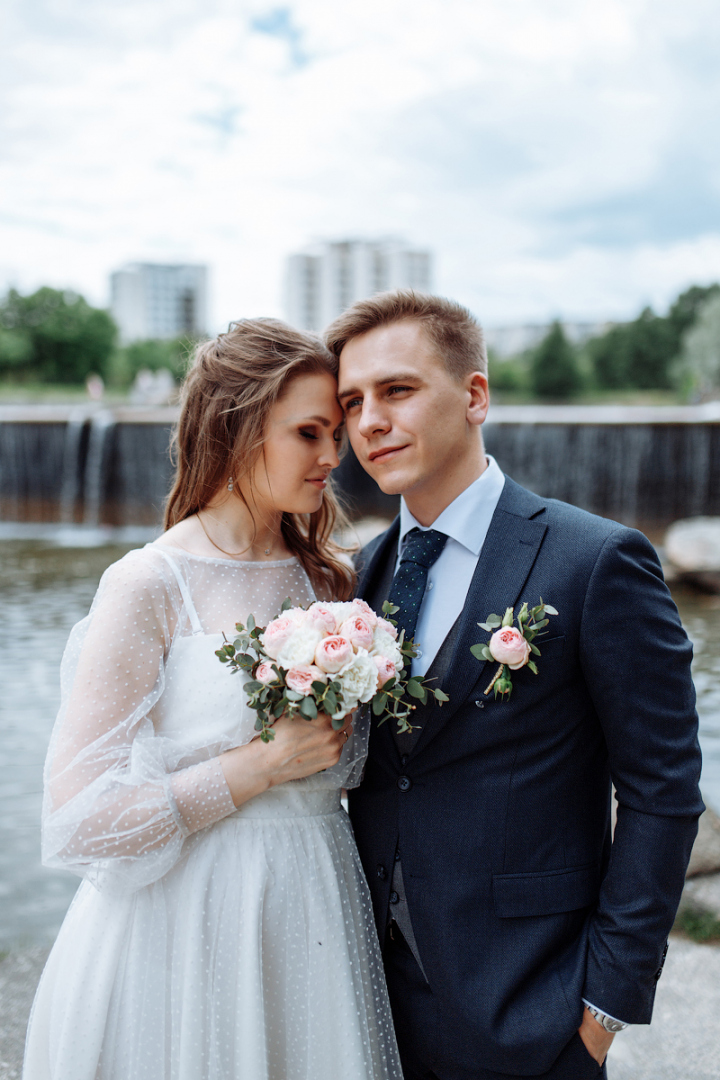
(508, 646)
(276, 634)
(387, 626)
(365, 612)
(333, 653)
(358, 631)
(386, 669)
(302, 677)
(265, 673)
(323, 617)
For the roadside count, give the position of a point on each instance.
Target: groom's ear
(478, 397)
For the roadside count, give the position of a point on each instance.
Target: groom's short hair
(455, 333)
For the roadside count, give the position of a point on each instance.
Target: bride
(224, 929)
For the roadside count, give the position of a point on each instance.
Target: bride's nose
(329, 458)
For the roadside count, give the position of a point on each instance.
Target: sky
(560, 158)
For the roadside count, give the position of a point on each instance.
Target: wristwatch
(606, 1021)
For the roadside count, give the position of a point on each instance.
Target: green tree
(697, 371)
(554, 368)
(68, 339)
(686, 309)
(637, 354)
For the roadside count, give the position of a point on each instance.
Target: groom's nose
(373, 417)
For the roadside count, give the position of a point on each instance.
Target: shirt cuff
(604, 1012)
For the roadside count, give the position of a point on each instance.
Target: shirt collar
(467, 518)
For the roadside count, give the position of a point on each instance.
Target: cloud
(558, 158)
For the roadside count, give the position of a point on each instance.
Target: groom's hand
(597, 1040)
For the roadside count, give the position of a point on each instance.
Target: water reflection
(46, 587)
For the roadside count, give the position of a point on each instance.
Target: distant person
(517, 940)
(224, 931)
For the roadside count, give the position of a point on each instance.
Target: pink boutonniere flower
(512, 647)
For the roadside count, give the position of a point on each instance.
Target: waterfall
(73, 464)
(102, 428)
(644, 467)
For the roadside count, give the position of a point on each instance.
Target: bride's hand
(300, 748)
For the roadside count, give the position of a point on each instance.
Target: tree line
(55, 336)
(678, 351)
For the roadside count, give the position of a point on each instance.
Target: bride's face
(301, 447)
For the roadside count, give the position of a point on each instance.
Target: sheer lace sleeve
(118, 803)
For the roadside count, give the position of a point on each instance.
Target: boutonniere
(512, 648)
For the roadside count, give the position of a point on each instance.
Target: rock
(702, 894)
(692, 548)
(705, 858)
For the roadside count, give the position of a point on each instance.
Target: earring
(230, 483)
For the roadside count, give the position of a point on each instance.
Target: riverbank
(683, 1040)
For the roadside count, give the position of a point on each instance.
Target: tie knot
(423, 547)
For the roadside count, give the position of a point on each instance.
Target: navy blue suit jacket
(520, 904)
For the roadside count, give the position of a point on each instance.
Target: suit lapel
(506, 559)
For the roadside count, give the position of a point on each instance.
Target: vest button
(397, 855)
(404, 783)
(394, 897)
(381, 873)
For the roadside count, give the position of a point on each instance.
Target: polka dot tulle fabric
(208, 942)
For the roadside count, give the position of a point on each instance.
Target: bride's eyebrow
(323, 420)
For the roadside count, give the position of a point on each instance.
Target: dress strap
(184, 592)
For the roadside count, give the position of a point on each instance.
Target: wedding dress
(207, 942)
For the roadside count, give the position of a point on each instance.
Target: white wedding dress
(208, 942)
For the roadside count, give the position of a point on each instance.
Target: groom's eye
(352, 403)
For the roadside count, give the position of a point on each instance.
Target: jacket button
(404, 783)
(381, 873)
(394, 897)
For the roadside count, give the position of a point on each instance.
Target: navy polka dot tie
(421, 550)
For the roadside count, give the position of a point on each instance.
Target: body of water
(47, 585)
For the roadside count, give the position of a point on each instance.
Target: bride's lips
(320, 482)
(385, 453)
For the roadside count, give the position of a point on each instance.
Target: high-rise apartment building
(322, 282)
(151, 300)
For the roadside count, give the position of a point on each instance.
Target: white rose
(300, 646)
(358, 679)
(342, 610)
(383, 645)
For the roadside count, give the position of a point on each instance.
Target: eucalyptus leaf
(378, 705)
(318, 687)
(292, 695)
(251, 622)
(308, 708)
(551, 610)
(287, 603)
(478, 651)
(389, 608)
(534, 649)
(487, 654)
(440, 696)
(278, 710)
(533, 666)
(252, 686)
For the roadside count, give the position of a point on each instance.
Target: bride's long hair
(231, 386)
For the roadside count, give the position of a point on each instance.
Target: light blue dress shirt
(465, 522)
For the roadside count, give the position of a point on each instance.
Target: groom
(517, 940)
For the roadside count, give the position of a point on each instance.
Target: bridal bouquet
(327, 658)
